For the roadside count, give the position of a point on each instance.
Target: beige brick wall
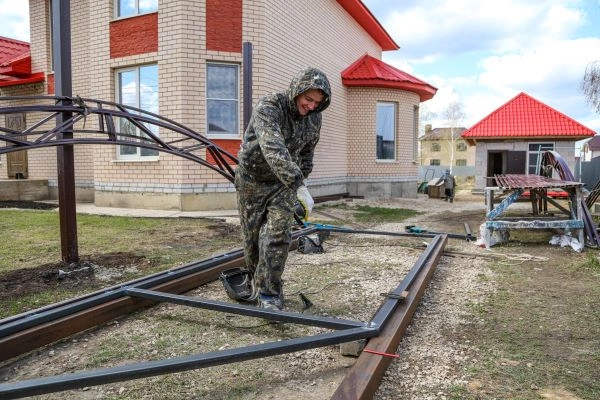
(427, 154)
(286, 36)
(317, 33)
(361, 116)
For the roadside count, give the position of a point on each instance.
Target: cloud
(552, 64)
(443, 28)
(15, 19)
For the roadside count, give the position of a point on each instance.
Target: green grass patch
(541, 331)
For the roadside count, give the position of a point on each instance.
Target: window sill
(226, 136)
(136, 160)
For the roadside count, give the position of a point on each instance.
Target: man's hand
(305, 200)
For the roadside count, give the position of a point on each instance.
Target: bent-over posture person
(276, 157)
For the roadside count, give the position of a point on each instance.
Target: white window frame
(539, 152)
(137, 156)
(394, 127)
(235, 134)
(136, 9)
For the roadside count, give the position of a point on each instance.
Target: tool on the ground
(306, 303)
(236, 282)
(414, 229)
(310, 244)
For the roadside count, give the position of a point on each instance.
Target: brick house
(590, 149)
(443, 148)
(511, 139)
(185, 60)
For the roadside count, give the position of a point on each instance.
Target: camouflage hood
(309, 78)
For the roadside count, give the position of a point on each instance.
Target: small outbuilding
(512, 138)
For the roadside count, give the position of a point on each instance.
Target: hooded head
(307, 79)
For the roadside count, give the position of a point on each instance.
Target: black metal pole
(247, 76)
(65, 160)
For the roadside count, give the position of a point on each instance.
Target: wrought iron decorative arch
(175, 138)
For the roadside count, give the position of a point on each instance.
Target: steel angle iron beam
(365, 376)
(28, 331)
(354, 331)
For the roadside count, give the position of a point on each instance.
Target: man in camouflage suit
(275, 158)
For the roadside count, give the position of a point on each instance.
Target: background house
(590, 149)
(511, 139)
(203, 64)
(443, 148)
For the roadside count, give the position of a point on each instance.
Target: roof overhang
(369, 71)
(14, 81)
(19, 67)
(473, 140)
(369, 23)
(424, 91)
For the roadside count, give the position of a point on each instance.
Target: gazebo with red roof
(510, 140)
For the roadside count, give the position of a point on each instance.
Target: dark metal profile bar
(433, 250)
(349, 331)
(56, 311)
(197, 361)
(60, 310)
(405, 234)
(363, 379)
(251, 311)
(65, 157)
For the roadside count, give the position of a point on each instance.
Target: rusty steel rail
(363, 379)
(28, 331)
(388, 324)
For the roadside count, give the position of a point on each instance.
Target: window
(461, 146)
(127, 8)
(534, 156)
(415, 149)
(461, 162)
(137, 87)
(434, 161)
(386, 131)
(222, 99)
(435, 146)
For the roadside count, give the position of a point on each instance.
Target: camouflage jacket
(279, 143)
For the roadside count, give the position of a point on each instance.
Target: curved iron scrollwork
(106, 118)
(552, 160)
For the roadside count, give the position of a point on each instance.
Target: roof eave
(363, 16)
(18, 67)
(425, 92)
(33, 78)
(526, 137)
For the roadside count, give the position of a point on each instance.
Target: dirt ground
(345, 281)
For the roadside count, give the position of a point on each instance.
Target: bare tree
(591, 84)
(454, 115)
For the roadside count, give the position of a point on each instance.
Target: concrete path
(90, 208)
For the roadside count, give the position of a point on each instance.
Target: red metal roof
(363, 16)
(369, 71)
(15, 63)
(15, 59)
(525, 117)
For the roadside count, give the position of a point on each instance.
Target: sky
(482, 54)
(478, 53)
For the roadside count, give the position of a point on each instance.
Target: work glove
(305, 200)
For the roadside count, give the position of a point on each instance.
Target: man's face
(308, 101)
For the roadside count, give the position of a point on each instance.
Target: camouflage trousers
(266, 217)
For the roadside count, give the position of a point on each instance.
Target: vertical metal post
(65, 160)
(247, 65)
